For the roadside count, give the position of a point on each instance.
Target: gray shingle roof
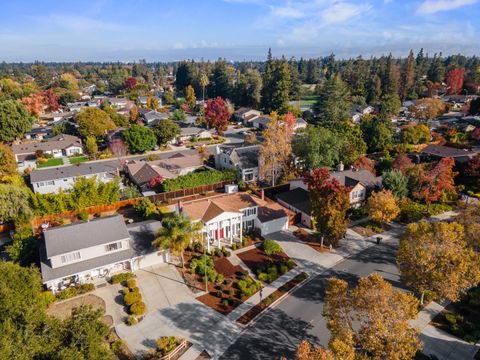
(65, 239)
(298, 198)
(353, 177)
(59, 142)
(82, 169)
(246, 157)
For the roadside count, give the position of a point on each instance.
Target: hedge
(120, 278)
(198, 178)
(138, 308)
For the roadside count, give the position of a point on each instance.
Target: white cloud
(434, 6)
(178, 46)
(288, 12)
(340, 12)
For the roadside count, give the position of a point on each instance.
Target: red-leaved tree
(290, 122)
(364, 163)
(473, 167)
(130, 83)
(437, 181)
(155, 182)
(330, 202)
(217, 114)
(455, 80)
(50, 100)
(402, 163)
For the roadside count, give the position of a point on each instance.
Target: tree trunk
(183, 260)
(422, 298)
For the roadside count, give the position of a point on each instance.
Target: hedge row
(198, 178)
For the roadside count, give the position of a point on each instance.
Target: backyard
(49, 162)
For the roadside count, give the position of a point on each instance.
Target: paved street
(299, 316)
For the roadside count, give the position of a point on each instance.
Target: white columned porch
(231, 232)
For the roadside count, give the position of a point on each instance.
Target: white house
(54, 179)
(92, 251)
(244, 159)
(57, 146)
(225, 217)
(193, 132)
(246, 115)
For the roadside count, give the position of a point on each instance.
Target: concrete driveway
(162, 286)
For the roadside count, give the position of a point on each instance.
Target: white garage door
(274, 226)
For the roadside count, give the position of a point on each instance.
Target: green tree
(247, 91)
(396, 182)
(14, 204)
(8, 164)
(176, 234)
(184, 75)
(333, 105)
(166, 130)
(24, 247)
(390, 104)
(139, 138)
(353, 145)
(377, 133)
(118, 119)
(416, 134)
(15, 120)
(93, 122)
(91, 146)
(276, 85)
(220, 81)
(190, 97)
(318, 147)
(408, 78)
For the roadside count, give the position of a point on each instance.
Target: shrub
(146, 207)
(271, 247)
(120, 278)
(231, 292)
(451, 318)
(132, 320)
(131, 298)
(219, 293)
(84, 288)
(244, 241)
(125, 290)
(272, 273)
(47, 297)
(218, 252)
(247, 287)
(67, 293)
(197, 266)
(83, 216)
(135, 289)
(198, 178)
(283, 269)
(291, 264)
(220, 279)
(263, 277)
(138, 308)
(234, 246)
(225, 302)
(131, 283)
(166, 344)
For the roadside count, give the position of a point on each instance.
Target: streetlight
(205, 258)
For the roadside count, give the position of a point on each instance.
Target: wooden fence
(175, 352)
(167, 197)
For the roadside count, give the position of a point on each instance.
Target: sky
(166, 30)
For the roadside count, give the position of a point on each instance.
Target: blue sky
(163, 30)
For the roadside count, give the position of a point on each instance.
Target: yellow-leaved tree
(436, 257)
(307, 351)
(382, 206)
(370, 320)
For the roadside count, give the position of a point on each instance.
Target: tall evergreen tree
(220, 84)
(333, 105)
(408, 78)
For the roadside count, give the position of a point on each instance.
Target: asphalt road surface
(299, 316)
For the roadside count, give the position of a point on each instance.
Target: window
(113, 246)
(248, 224)
(70, 257)
(50, 182)
(251, 211)
(248, 177)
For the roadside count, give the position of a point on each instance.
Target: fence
(167, 197)
(175, 352)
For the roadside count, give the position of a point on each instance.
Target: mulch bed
(233, 274)
(364, 230)
(265, 303)
(257, 259)
(62, 310)
(203, 356)
(310, 240)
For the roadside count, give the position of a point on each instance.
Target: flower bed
(267, 267)
(265, 303)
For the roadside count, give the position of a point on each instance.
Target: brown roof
(271, 212)
(447, 151)
(60, 142)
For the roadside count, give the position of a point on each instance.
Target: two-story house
(244, 159)
(56, 146)
(92, 251)
(54, 179)
(225, 217)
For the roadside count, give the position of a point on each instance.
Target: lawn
(78, 159)
(50, 162)
(308, 100)
(267, 268)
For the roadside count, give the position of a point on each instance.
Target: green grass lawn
(50, 162)
(78, 159)
(308, 100)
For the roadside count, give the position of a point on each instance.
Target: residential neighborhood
(303, 184)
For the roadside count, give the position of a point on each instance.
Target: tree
(364, 163)
(318, 147)
(402, 163)
(475, 106)
(190, 98)
(390, 104)
(377, 133)
(330, 202)
(247, 91)
(307, 351)
(15, 120)
(382, 207)
(436, 182)
(130, 83)
(217, 115)
(276, 85)
(14, 195)
(119, 149)
(333, 105)
(353, 145)
(436, 257)
(166, 130)
(50, 100)
(427, 109)
(276, 149)
(416, 134)
(153, 103)
(118, 119)
(408, 78)
(396, 182)
(176, 234)
(473, 167)
(33, 103)
(220, 81)
(184, 75)
(455, 80)
(133, 114)
(470, 219)
(371, 318)
(139, 138)
(203, 83)
(94, 122)
(8, 163)
(24, 247)
(91, 146)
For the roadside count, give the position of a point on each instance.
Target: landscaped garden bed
(311, 240)
(265, 303)
(168, 347)
(370, 228)
(268, 261)
(63, 309)
(462, 318)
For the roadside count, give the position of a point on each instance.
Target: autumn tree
(402, 163)
(396, 182)
(15, 120)
(307, 351)
(330, 202)
(33, 103)
(276, 149)
(94, 122)
(382, 206)
(416, 134)
(133, 114)
(217, 114)
(119, 149)
(428, 108)
(8, 164)
(436, 182)
(130, 83)
(91, 146)
(473, 168)
(364, 163)
(455, 79)
(50, 100)
(153, 103)
(370, 320)
(470, 219)
(190, 98)
(436, 257)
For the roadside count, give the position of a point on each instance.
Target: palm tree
(203, 83)
(176, 234)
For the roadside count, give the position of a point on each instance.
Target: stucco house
(244, 159)
(56, 146)
(193, 132)
(92, 251)
(226, 217)
(246, 115)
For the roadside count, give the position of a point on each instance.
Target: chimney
(262, 193)
(340, 166)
